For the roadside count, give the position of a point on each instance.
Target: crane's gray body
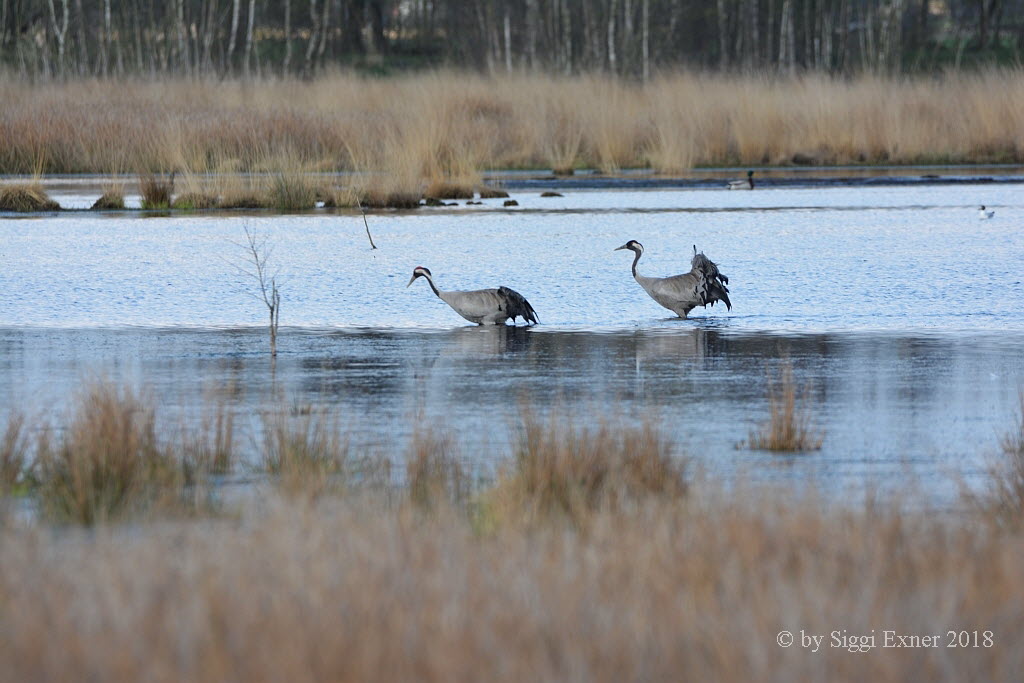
(703, 285)
(483, 306)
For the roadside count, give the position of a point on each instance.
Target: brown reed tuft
(156, 192)
(26, 198)
(790, 427)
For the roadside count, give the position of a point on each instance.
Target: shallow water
(900, 309)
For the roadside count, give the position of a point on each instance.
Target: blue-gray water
(901, 310)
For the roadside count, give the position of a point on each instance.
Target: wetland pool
(900, 310)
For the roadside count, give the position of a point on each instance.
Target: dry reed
(108, 463)
(13, 453)
(659, 577)
(156, 192)
(790, 427)
(444, 127)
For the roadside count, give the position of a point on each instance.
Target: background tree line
(258, 38)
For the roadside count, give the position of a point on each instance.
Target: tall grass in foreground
(443, 128)
(626, 570)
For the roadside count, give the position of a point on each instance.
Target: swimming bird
(983, 214)
(747, 184)
(482, 306)
(680, 294)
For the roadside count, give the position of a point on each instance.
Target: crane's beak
(412, 279)
(624, 246)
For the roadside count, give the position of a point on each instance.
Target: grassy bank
(445, 127)
(593, 555)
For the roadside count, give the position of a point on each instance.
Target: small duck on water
(747, 184)
(983, 214)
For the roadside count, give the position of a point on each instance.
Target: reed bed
(628, 567)
(445, 127)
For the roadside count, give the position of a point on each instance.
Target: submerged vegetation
(337, 573)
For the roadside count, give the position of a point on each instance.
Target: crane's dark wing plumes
(711, 284)
(514, 304)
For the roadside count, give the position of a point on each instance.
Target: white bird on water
(743, 184)
(984, 214)
(680, 294)
(482, 306)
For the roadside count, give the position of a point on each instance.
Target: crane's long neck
(430, 281)
(636, 259)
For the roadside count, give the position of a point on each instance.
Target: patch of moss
(195, 201)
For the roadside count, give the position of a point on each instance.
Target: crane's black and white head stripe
(632, 245)
(418, 271)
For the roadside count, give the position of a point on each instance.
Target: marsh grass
(307, 455)
(562, 469)
(14, 454)
(157, 193)
(658, 574)
(448, 126)
(434, 475)
(195, 201)
(26, 197)
(1003, 498)
(790, 427)
(108, 463)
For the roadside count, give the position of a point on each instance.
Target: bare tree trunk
(787, 37)
(229, 59)
(645, 40)
(60, 32)
(287, 36)
(723, 35)
(83, 54)
(531, 33)
(210, 25)
(325, 25)
(567, 36)
(183, 60)
(248, 38)
(508, 42)
(612, 61)
(313, 34)
(105, 42)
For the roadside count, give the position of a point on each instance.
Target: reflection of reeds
(790, 426)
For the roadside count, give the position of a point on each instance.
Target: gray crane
(482, 306)
(680, 294)
(742, 184)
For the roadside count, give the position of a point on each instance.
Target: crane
(482, 306)
(703, 285)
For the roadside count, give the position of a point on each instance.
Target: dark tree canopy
(632, 38)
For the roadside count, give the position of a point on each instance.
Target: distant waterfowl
(983, 214)
(746, 184)
(482, 306)
(680, 294)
